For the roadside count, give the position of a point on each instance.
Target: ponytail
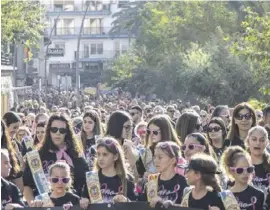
(212, 181)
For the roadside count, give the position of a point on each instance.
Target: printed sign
(55, 52)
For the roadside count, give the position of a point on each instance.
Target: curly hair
(7, 144)
(73, 147)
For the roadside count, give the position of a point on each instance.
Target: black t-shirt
(261, 178)
(112, 186)
(67, 198)
(249, 199)
(210, 199)
(218, 151)
(49, 158)
(169, 189)
(235, 142)
(10, 193)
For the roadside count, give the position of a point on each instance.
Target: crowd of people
(210, 158)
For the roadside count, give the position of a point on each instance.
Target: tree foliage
(184, 50)
(21, 22)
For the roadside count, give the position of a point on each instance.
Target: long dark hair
(166, 129)
(7, 144)
(97, 128)
(40, 124)
(115, 124)
(73, 147)
(10, 118)
(234, 130)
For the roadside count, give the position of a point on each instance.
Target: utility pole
(78, 51)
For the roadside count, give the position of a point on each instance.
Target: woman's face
(105, 159)
(192, 177)
(191, 147)
(215, 132)
(40, 132)
(21, 134)
(5, 165)
(142, 131)
(225, 116)
(243, 119)
(154, 134)
(59, 180)
(242, 172)
(127, 130)
(162, 161)
(58, 132)
(88, 125)
(13, 128)
(257, 143)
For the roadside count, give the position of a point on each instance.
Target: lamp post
(78, 50)
(59, 78)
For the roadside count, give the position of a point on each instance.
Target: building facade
(98, 47)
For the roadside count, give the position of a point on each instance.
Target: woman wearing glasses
(196, 143)
(243, 119)
(216, 133)
(159, 129)
(238, 166)
(59, 143)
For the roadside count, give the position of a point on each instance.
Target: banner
(117, 206)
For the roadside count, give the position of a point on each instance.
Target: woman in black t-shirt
(115, 181)
(257, 141)
(60, 182)
(59, 143)
(201, 173)
(91, 128)
(238, 166)
(170, 184)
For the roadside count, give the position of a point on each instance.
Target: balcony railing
(86, 32)
(98, 54)
(77, 8)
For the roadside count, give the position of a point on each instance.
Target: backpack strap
(229, 201)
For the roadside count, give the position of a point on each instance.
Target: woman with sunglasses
(243, 119)
(91, 128)
(238, 166)
(159, 129)
(189, 122)
(206, 193)
(256, 143)
(170, 184)
(115, 180)
(59, 143)
(216, 133)
(60, 183)
(196, 143)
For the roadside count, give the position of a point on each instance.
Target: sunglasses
(156, 132)
(61, 130)
(107, 142)
(215, 129)
(241, 117)
(165, 146)
(191, 146)
(64, 180)
(249, 170)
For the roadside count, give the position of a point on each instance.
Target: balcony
(87, 32)
(98, 55)
(77, 9)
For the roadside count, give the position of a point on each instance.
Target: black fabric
(235, 142)
(169, 190)
(140, 167)
(112, 186)
(49, 158)
(90, 152)
(10, 193)
(261, 178)
(210, 199)
(66, 199)
(245, 198)
(218, 151)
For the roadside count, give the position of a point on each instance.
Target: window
(96, 49)
(86, 51)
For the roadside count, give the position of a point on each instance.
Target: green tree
(21, 22)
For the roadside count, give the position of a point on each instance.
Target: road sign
(55, 52)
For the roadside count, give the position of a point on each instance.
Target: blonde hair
(230, 157)
(62, 165)
(120, 165)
